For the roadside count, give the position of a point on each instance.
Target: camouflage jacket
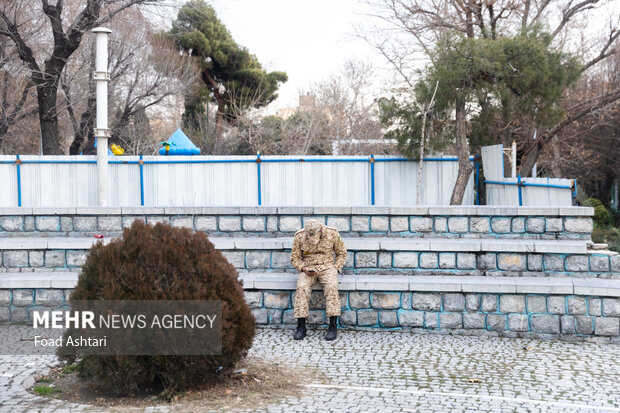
(321, 255)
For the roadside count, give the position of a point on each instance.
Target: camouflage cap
(313, 231)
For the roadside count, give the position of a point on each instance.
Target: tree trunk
(529, 159)
(427, 108)
(85, 129)
(555, 162)
(505, 135)
(217, 133)
(47, 94)
(462, 151)
(418, 195)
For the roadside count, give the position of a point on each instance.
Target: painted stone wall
(524, 315)
(420, 222)
(566, 316)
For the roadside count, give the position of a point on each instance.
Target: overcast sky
(311, 39)
(307, 39)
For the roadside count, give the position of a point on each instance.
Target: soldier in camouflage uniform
(312, 255)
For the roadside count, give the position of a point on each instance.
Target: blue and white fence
(57, 181)
(520, 190)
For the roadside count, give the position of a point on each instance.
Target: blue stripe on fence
(523, 183)
(19, 181)
(141, 181)
(141, 162)
(372, 179)
(258, 162)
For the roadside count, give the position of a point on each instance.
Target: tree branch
(9, 29)
(569, 12)
(604, 54)
(576, 112)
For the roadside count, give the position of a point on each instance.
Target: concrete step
(45, 280)
(352, 244)
(465, 284)
(403, 256)
(384, 282)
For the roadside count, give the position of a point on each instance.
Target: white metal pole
(102, 77)
(514, 159)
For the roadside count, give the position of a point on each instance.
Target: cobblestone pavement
(391, 371)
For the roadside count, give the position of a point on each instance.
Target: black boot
(331, 331)
(301, 329)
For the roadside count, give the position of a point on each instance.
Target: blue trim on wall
(372, 179)
(141, 181)
(258, 162)
(19, 181)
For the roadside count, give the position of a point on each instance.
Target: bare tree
(589, 148)
(16, 102)
(409, 29)
(146, 75)
(20, 19)
(346, 99)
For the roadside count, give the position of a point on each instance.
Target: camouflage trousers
(329, 280)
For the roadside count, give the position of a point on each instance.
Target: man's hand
(308, 271)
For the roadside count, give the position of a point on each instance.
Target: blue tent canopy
(184, 146)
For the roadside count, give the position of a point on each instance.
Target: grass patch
(45, 390)
(70, 369)
(45, 380)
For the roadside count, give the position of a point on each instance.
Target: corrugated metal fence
(519, 190)
(56, 181)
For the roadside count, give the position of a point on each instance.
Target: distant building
(305, 102)
(285, 113)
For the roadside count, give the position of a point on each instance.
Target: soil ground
(257, 384)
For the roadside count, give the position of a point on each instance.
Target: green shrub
(131, 268)
(609, 236)
(602, 216)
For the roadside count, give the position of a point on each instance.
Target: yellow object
(117, 150)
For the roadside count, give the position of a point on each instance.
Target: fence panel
(186, 182)
(8, 173)
(547, 195)
(520, 190)
(329, 182)
(397, 182)
(543, 196)
(124, 186)
(61, 181)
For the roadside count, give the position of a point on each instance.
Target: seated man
(313, 256)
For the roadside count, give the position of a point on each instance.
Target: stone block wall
(512, 242)
(518, 315)
(42, 260)
(593, 264)
(420, 222)
(17, 305)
